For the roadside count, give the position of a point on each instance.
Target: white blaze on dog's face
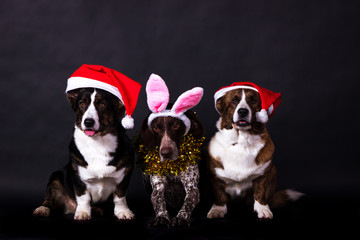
(242, 114)
(90, 120)
(238, 109)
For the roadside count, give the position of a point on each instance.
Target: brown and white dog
(241, 152)
(165, 129)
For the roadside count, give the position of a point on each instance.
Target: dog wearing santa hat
(169, 147)
(101, 155)
(240, 153)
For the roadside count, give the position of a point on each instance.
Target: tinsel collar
(189, 154)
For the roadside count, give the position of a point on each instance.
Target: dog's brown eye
(156, 129)
(253, 101)
(82, 104)
(235, 101)
(101, 105)
(175, 126)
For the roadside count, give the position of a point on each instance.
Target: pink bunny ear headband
(158, 98)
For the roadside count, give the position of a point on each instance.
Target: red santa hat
(97, 76)
(269, 100)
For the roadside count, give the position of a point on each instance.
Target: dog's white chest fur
(237, 151)
(100, 178)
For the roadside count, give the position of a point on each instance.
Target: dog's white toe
(82, 216)
(263, 211)
(124, 214)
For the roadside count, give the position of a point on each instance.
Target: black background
(307, 50)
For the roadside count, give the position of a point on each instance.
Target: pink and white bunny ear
(188, 100)
(157, 93)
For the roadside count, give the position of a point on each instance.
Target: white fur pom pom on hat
(262, 116)
(127, 122)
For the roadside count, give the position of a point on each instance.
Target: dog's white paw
(217, 211)
(82, 215)
(263, 211)
(124, 214)
(42, 211)
(121, 210)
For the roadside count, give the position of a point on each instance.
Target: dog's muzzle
(243, 118)
(89, 124)
(168, 149)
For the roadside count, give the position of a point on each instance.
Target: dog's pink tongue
(89, 132)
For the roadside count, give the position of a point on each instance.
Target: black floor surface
(320, 217)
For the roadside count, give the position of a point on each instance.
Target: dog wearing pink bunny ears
(171, 173)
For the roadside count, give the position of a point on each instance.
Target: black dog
(100, 162)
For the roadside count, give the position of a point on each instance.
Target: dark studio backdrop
(307, 50)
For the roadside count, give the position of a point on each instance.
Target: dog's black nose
(243, 112)
(166, 153)
(89, 122)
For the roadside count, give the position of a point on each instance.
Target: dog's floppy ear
(220, 105)
(71, 96)
(187, 100)
(146, 134)
(157, 93)
(224, 122)
(119, 108)
(196, 128)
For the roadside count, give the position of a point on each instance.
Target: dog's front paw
(124, 214)
(160, 221)
(180, 222)
(82, 216)
(217, 211)
(263, 211)
(42, 211)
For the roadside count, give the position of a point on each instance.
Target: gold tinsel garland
(189, 153)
